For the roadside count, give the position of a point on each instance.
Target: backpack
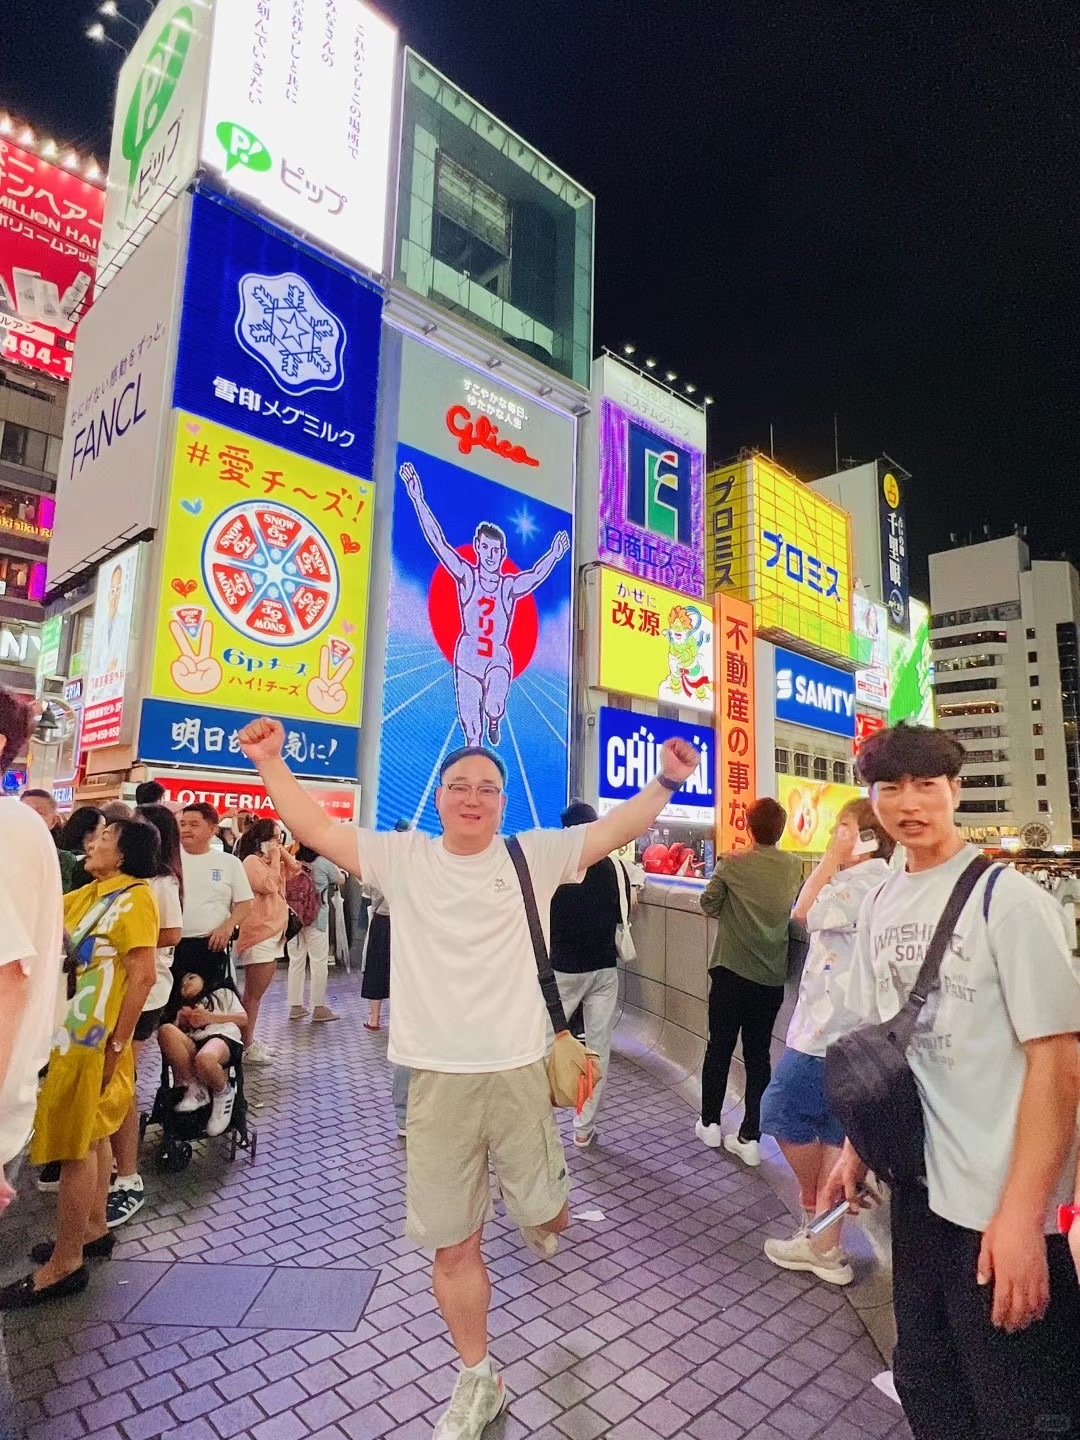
(302, 897)
(868, 1081)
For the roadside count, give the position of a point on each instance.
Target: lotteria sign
(229, 792)
(815, 695)
(630, 747)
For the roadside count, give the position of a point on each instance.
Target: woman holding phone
(794, 1109)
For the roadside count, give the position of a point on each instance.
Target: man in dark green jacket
(750, 895)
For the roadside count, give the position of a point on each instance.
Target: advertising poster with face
(479, 640)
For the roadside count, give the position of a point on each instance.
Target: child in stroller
(202, 1046)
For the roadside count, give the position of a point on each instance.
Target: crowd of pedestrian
(488, 945)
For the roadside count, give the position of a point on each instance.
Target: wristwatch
(1068, 1215)
(668, 783)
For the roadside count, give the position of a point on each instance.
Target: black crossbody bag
(868, 1081)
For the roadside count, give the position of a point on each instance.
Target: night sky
(802, 207)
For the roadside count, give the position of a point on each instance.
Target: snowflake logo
(285, 326)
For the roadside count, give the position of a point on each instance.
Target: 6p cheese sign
(263, 599)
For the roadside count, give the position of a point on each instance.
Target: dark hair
(914, 750)
(37, 795)
(149, 793)
(466, 752)
(256, 835)
(306, 855)
(578, 813)
(862, 812)
(164, 822)
(765, 819)
(117, 810)
(139, 847)
(488, 531)
(16, 724)
(208, 813)
(80, 823)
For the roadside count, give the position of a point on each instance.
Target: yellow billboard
(778, 544)
(654, 642)
(812, 808)
(264, 587)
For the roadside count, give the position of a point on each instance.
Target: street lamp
(110, 8)
(97, 34)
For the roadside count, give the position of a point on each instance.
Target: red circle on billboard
(444, 616)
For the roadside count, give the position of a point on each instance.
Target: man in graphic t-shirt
(987, 1305)
(217, 895)
(468, 1018)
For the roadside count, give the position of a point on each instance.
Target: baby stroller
(179, 1131)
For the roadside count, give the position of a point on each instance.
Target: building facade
(1007, 664)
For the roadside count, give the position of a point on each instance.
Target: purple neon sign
(651, 519)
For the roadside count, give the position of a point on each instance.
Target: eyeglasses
(460, 791)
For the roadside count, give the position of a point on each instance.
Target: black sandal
(22, 1296)
(99, 1249)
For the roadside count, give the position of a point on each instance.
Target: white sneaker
(709, 1135)
(543, 1243)
(221, 1111)
(258, 1054)
(476, 1401)
(194, 1098)
(748, 1151)
(798, 1254)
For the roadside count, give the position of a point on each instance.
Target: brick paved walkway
(663, 1320)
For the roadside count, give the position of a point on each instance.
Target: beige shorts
(456, 1124)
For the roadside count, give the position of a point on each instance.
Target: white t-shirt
(1001, 985)
(464, 994)
(167, 894)
(31, 936)
(224, 1002)
(213, 884)
(820, 1016)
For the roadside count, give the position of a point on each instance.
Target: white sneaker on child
(221, 1111)
(194, 1098)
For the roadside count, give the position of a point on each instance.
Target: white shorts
(267, 952)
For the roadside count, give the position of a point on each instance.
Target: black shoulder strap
(548, 984)
(988, 893)
(928, 975)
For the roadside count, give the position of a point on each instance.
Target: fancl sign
(815, 695)
(630, 757)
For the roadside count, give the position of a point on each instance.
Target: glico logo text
(481, 434)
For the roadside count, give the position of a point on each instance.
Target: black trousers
(738, 1006)
(957, 1376)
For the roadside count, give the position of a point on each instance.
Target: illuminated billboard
(298, 117)
(106, 675)
(630, 746)
(773, 541)
(277, 342)
(736, 717)
(813, 807)
(50, 229)
(892, 520)
(911, 670)
(263, 603)
(650, 501)
(481, 586)
(871, 625)
(654, 642)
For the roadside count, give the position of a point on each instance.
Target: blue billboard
(630, 746)
(818, 696)
(478, 647)
(276, 341)
(174, 733)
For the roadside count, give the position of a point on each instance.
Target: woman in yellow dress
(112, 925)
